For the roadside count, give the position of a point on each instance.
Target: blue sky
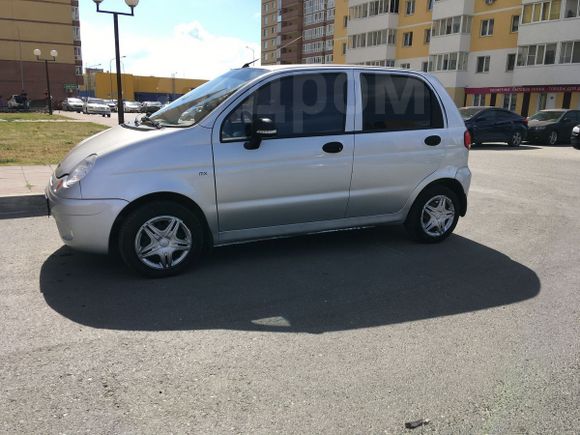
(193, 38)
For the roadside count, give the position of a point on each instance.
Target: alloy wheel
(437, 216)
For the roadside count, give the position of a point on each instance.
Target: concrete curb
(13, 207)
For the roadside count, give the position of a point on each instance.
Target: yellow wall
(502, 36)
(458, 95)
(340, 31)
(575, 100)
(104, 83)
(416, 23)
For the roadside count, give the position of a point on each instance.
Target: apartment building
(297, 31)
(26, 25)
(520, 54)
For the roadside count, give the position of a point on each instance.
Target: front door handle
(332, 147)
(433, 140)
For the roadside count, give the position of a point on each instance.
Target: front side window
(397, 103)
(200, 102)
(299, 105)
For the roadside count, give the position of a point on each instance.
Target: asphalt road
(348, 332)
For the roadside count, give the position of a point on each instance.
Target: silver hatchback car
(267, 152)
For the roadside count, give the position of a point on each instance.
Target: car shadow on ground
(504, 147)
(327, 282)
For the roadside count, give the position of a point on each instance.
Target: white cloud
(190, 51)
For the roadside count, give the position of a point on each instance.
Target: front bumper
(84, 224)
(575, 141)
(99, 111)
(537, 135)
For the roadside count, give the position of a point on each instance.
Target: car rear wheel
(160, 239)
(516, 139)
(434, 215)
(553, 138)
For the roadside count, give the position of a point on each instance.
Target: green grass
(29, 116)
(41, 143)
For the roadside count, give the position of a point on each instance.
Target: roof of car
(333, 66)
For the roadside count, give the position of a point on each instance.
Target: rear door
(400, 140)
(484, 125)
(503, 125)
(300, 175)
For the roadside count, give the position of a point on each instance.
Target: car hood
(536, 123)
(106, 142)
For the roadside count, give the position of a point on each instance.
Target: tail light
(467, 139)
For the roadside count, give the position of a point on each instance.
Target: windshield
(197, 104)
(75, 100)
(96, 101)
(547, 116)
(469, 112)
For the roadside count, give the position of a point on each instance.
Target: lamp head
(132, 3)
(53, 53)
(37, 52)
(98, 2)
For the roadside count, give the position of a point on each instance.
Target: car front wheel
(160, 239)
(553, 138)
(434, 215)
(516, 139)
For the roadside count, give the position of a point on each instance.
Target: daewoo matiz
(267, 152)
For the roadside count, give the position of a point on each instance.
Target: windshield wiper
(148, 121)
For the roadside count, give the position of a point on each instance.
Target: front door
(400, 141)
(300, 175)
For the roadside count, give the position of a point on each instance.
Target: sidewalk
(24, 180)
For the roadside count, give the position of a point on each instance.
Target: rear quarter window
(393, 102)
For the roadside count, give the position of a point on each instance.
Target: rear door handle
(332, 147)
(433, 140)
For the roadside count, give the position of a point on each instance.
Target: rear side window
(396, 103)
(299, 105)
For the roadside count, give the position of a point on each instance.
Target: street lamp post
(54, 54)
(110, 81)
(132, 4)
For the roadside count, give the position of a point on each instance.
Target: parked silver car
(96, 106)
(72, 104)
(267, 152)
(131, 106)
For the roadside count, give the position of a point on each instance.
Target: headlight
(576, 130)
(79, 172)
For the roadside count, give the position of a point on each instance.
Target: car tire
(146, 242)
(108, 116)
(552, 138)
(516, 139)
(434, 215)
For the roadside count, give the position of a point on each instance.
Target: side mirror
(261, 128)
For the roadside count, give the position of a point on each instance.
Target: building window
(541, 11)
(406, 65)
(78, 70)
(343, 48)
(427, 36)
(75, 13)
(542, 98)
(451, 25)
(570, 52)
(487, 27)
(479, 100)
(515, 23)
(410, 7)
(572, 9)
(510, 101)
(511, 62)
(407, 39)
(76, 33)
(483, 64)
(540, 54)
(425, 66)
(429, 5)
(448, 62)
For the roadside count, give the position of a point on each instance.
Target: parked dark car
(150, 107)
(575, 137)
(493, 124)
(552, 126)
(18, 102)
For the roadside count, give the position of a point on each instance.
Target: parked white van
(267, 152)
